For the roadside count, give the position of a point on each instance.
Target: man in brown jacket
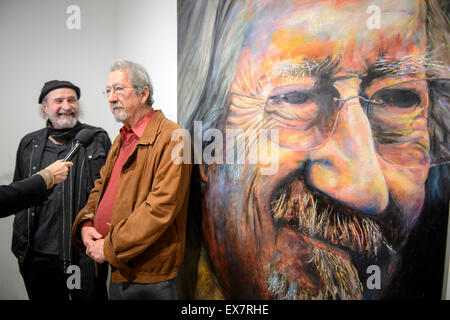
(135, 218)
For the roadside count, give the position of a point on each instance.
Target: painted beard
(64, 119)
(292, 242)
(119, 117)
(334, 243)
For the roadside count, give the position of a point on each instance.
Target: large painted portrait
(344, 106)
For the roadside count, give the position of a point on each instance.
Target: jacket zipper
(79, 184)
(63, 224)
(69, 258)
(77, 207)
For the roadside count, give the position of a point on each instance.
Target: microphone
(82, 139)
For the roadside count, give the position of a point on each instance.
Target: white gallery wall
(147, 34)
(74, 40)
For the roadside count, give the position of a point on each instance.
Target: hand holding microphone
(58, 170)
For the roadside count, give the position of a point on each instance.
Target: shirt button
(36, 145)
(34, 167)
(32, 214)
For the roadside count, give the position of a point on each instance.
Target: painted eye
(401, 98)
(292, 97)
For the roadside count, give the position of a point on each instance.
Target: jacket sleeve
(151, 218)
(22, 194)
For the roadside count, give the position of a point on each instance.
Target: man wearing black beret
(41, 234)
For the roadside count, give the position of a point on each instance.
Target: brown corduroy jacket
(148, 224)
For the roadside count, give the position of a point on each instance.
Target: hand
(59, 169)
(93, 241)
(89, 235)
(95, 251)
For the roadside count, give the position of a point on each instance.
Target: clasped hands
(93, 241)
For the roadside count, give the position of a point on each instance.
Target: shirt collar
(139, 127)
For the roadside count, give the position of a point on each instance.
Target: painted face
(125, 104)
(349, 103)
(61, 108)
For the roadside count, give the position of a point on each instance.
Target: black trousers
(45, 278)
(166, 290)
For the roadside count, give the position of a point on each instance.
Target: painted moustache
(325, 231)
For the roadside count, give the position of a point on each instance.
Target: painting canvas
(320, 138)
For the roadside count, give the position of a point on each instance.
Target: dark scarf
(63, 135)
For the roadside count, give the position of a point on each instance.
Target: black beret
(55, 84)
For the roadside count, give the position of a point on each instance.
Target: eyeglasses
(398, 115)
(117, 90)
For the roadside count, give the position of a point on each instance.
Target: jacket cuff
(87, 223)
(48, 177)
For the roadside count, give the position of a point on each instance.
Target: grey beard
(297, 208)
(61, 124)
(119, 118)
(339, 277)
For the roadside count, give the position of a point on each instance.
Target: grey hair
(210, 37)
(41, 110)
(139, 77)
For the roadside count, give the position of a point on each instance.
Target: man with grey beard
(359, 205)
(42, 234)
(135, 218)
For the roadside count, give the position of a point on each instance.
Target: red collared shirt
(130, 137)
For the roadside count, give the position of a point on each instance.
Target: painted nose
(347, 167)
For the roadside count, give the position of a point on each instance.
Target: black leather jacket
(76, 187)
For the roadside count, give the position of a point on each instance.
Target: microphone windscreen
(85, 137)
